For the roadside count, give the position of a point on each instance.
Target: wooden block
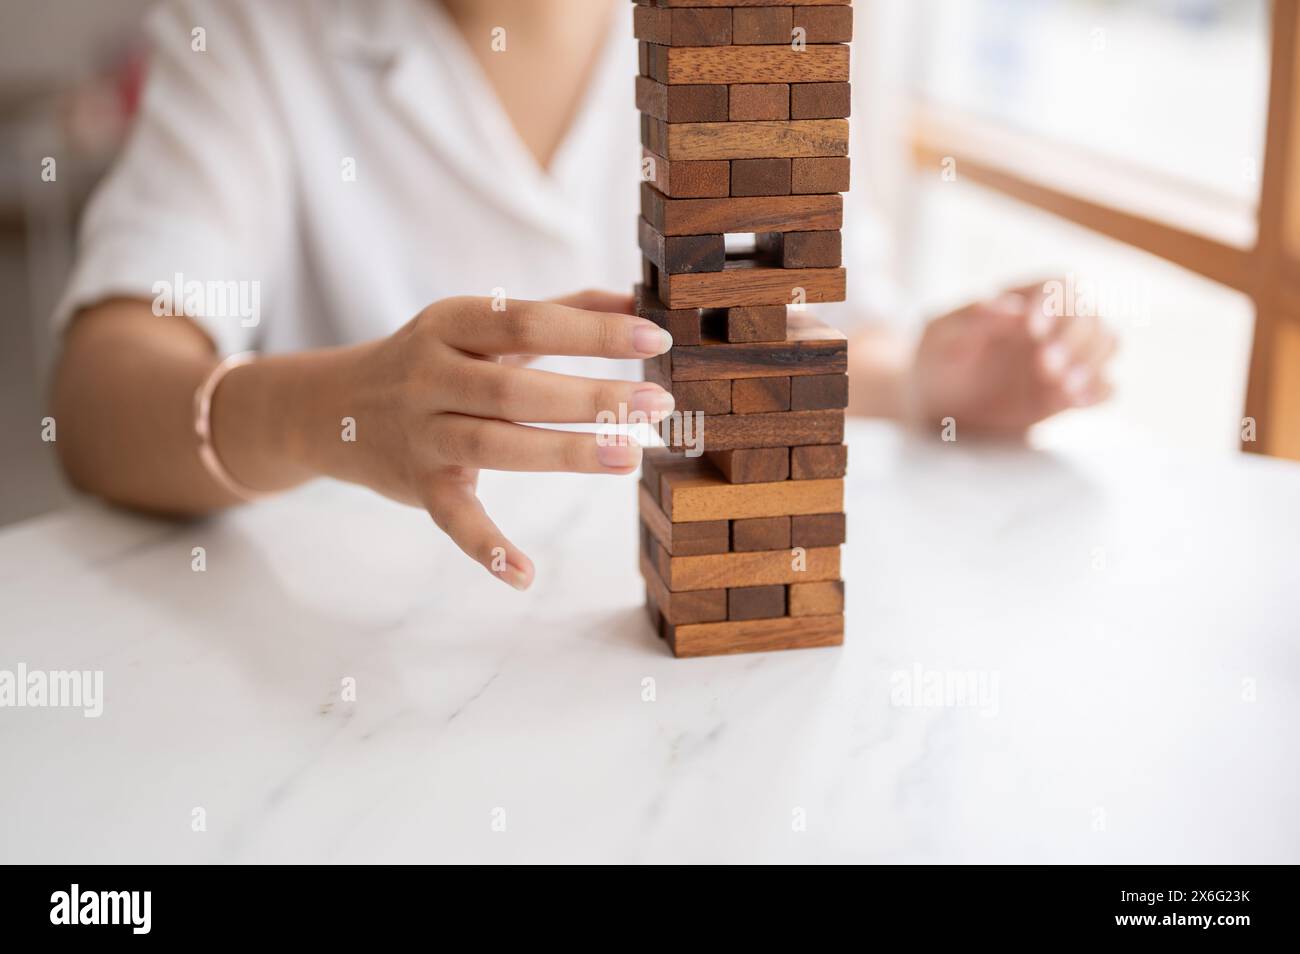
(819, 176)
(707, 397)
(752, 283)
(817, 530)
(808, 213)
(682, 104)
(755, 602)
(643, 58)
(760, 177)
(754, 636)
(659, 462)
(682, 323)
(762, 25)
(682, 27)
(765, 568)
(800, 249)
(697, 606)
(681, 539)
(750, 102)
(805, 138)
(688, 498)
(818, 392)
(816, 599)
(752, 465)
(811, 100)
(779, 429)
(656, 371)
(750, 64)
(684, 179)
(685, 254)
(652, 611)
(654, 134)
(760, 395)
(818, 462)
(740, 3)
(760, 323)
(760, 533)
(825, 24)
(810, 347)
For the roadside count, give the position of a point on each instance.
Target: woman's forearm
(123, 400)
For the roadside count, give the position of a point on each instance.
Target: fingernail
(516, 576)
(620, 456)
(1055, 358)
(649, 339)
(652, 401)
(1076, 382)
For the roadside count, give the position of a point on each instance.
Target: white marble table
(1133, 621)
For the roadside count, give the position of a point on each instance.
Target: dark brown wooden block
(761, 323)
(694, 606)
(762, 25)
(827, 63)
(760, 533)
(656, 371)
(707, 397)
(683, 254)
(811, 347)
(680, 539)
(654, 134)
(682, 323)
(800, 249)
(825, 24)
(819, 392)
(685, 179)
(682, 104)
(755, 602)
(682, 27)
(818, 462)
(763, 139)
(817, 101)
(760, 177)
(825, 598)
(643, 58)
(817, 530)
(778, 429)
(748, 282)
(819, 176)
(752, 465)
(750, 102)
(803, 213)
(759, 395)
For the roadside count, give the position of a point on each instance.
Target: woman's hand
(999, 366)
(435, 403)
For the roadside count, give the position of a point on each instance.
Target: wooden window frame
(1255, 250)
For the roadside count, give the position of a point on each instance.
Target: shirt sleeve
(196, 211)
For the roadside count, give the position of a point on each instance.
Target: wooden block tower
(744, 131)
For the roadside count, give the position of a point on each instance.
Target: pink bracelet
(203, 426)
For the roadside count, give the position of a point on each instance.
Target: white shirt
(350, 158)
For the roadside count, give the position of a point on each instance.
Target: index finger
(539, 327)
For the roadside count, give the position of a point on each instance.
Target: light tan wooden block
(755, 636)
(825, 598)
(761, 568)
(691, 497)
